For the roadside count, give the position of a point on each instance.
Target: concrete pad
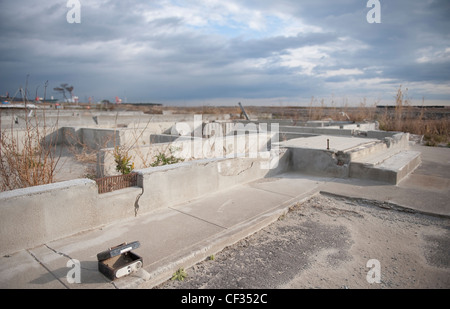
(56, 262)
(241, 211)
(336, 143)
(21, 271)
(399, 160)
(435, 161)
(176, 231)
(426, 182)
(227, 208)
(290, 184)
(161, 234)
(418, 200)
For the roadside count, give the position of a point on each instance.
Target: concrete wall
(21, 137)
(319, 162)
(170, 185)
(141, 156)
(112, 119)
(36, 215)
(96, 138)
(186, 148)
(33, 216)
(92, 138)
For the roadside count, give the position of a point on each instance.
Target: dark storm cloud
(187, 50)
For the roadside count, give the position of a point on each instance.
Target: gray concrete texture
(184, 212)
(48, 214)
(189, 232)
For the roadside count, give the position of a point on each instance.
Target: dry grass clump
(26, 160)
(434, 126)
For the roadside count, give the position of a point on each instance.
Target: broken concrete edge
(392, 169)
(382, 204)
(35, 190)
(359, 158)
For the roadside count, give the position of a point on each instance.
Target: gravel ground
(326, 243)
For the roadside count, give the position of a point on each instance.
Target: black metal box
(119, 261)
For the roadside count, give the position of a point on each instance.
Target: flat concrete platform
(185, 234)
(390, 168)
(335, 143)
(355, 157)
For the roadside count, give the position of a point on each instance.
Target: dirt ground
(326, 243)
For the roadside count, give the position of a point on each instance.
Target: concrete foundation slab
(169, 229)
(21, 270)
(404, 195)
(225, 210)
(57, 263)
(290, 184)
(335, 143)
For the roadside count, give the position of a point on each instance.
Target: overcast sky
(223, 52)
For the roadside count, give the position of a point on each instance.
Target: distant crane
(62, 89)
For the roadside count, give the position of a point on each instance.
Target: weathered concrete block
(319, 162)
(32, 216)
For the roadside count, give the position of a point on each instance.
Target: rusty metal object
(113, 183)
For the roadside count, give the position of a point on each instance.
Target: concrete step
(390, 167)
(371, 148)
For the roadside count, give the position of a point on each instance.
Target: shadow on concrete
(89, 274)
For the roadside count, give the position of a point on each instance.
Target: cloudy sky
(222, 52)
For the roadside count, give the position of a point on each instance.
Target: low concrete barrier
(318, 130)
(91, 138)
(32, 216)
